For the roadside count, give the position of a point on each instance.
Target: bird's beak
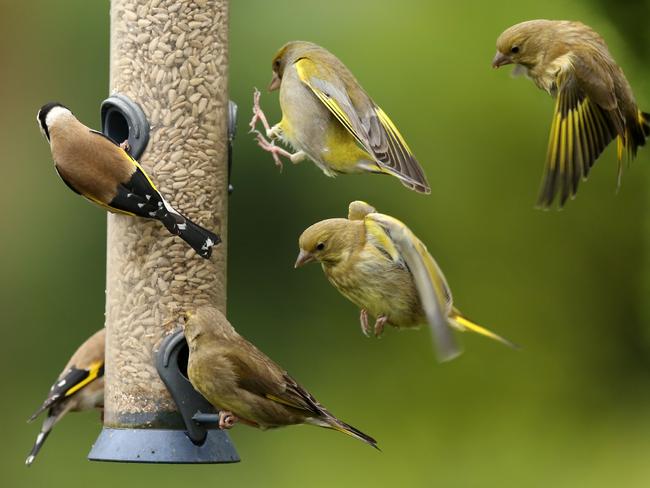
(303, 258)
(501, 59)
(275, 82)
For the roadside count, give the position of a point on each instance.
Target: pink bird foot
(275, 151)
(258, 114)
(379, 325)
(226, 419)
(363, 319)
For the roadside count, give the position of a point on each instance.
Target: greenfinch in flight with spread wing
(329, 118)
(376, 262)
(244, 384)
(594, 101)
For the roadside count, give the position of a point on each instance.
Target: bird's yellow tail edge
(340, 426)
(644, 122)
(463, 323)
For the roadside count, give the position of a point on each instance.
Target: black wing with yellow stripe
(580, 131)
(69, 383)
(371, 127)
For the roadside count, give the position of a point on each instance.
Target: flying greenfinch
(103, 172)
(376, 262)
(594, 101)
(244, 384)
(329, 118)
(79, 387)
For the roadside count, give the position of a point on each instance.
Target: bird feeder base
(159, 446)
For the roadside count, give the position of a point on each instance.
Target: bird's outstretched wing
(430, 283)
(586, 119)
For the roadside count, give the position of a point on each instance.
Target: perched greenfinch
(244, 384)
(329, 118)
(594, 101)
(102, 171)
(79, 387)
(376, 262)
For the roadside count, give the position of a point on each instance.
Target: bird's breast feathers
(372, 280)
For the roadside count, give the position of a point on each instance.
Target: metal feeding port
(122, 120)
(232, 132)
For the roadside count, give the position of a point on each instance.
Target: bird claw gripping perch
(226, 420)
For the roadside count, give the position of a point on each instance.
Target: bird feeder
(169, 84)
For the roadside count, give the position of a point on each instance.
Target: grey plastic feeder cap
(161, 447)
(123, 119)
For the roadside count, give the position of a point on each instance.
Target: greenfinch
(329, 118)
(594, 101)
(376, 262)
(244, 384)
(94, 166)
(79, 387)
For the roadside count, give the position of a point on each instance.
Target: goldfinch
(94, 166)
(79, 387)
(244, 384)
(594, 101)
(376, 262)
(329, 118)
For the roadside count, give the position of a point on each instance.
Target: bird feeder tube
(171, 58)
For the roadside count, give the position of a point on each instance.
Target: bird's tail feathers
(644, 122)
(462, 323)
(408, 182)
(200, 239)
(48, 424)
(331, 422)
(635, 136)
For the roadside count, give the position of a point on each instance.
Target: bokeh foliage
(571, 408)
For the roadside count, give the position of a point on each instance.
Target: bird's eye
(276, 63)
(320, 246)
(514, 49)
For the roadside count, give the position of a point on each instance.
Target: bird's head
(523, 44)
(286, 56)
(328, 241)
(206, 321)
(49, 114)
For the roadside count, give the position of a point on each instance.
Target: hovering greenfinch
(103, 172)
(329, 118)
(376, 262)
(594, 101)
(244, 384)
(79, 387)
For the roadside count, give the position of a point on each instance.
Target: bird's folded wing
(73, 380)
(368, 124)
(580, 131)
(430, 283)
(258, 374)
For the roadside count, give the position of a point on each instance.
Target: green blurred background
(571, 408)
